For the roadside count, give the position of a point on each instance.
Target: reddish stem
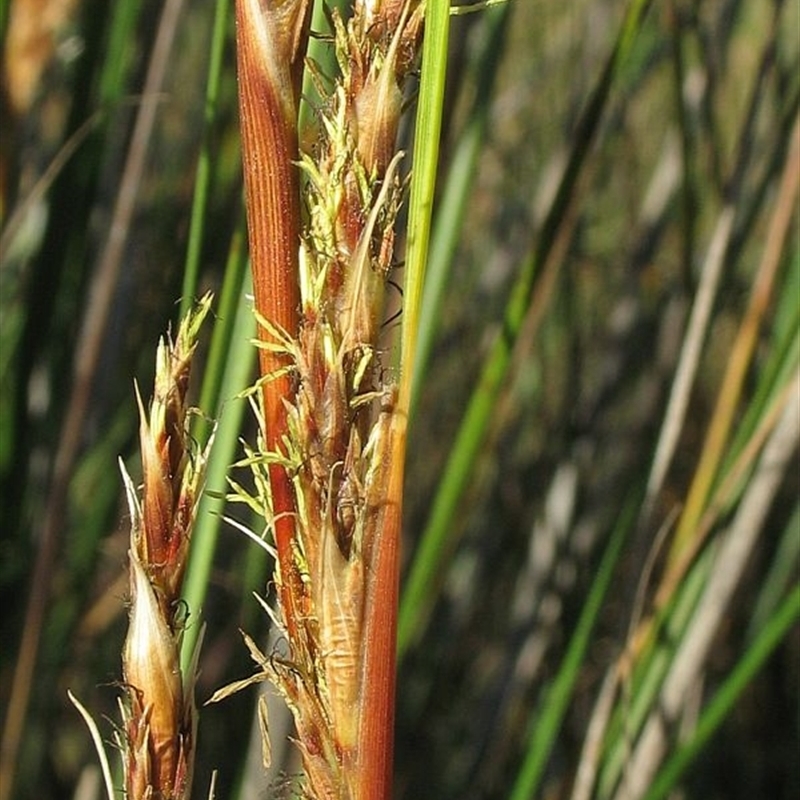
(270, 45)
(376, 710)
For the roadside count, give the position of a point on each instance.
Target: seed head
(159, 714)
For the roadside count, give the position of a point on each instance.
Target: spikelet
(158, 713)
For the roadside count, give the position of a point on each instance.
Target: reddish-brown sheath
(271, 41)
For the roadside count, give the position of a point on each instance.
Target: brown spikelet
(159, 714)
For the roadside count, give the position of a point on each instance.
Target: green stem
(720, 707)
(439, 537)
(204, 162)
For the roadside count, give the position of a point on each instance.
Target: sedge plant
(328, 465)
(600, 561)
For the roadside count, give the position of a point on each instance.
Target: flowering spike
(159, 714)
(327, 469)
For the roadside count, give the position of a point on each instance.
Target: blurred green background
(597, 168)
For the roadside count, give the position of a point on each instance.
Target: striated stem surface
(271, 38)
